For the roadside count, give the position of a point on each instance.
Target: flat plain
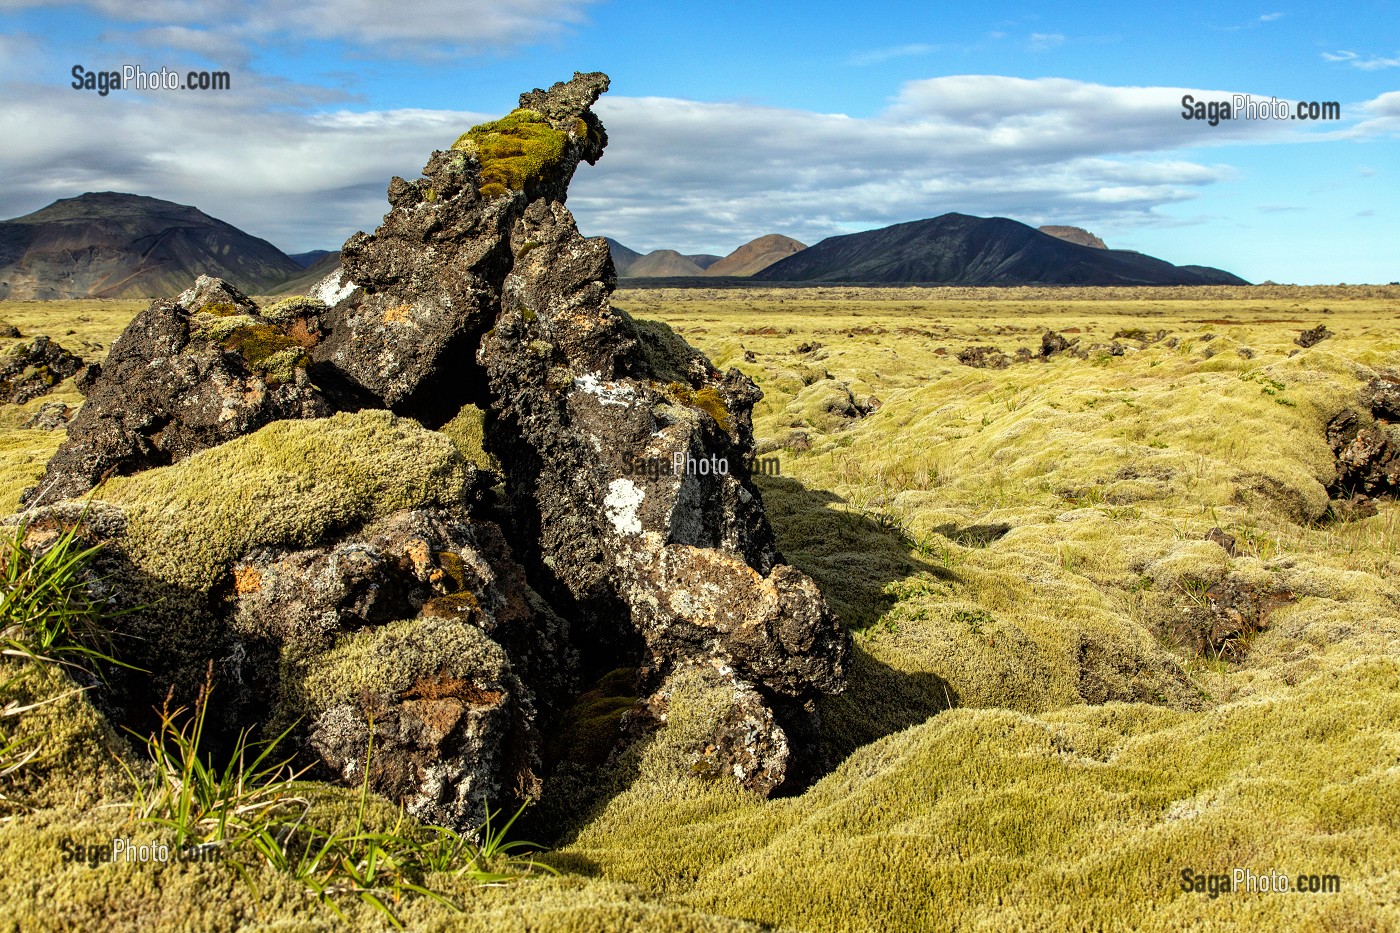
(1036, 734)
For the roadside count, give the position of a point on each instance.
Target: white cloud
(696, 175)
(1270, 17)
(681, 174)
(471, 25)
(879, 56)
(1046, 40)
(1370, 63)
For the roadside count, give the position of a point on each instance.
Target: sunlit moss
(513, 151)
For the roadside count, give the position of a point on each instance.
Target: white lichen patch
(621, 504)
(333, 289)
(607, 393)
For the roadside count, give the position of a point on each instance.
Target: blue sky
(732, 120)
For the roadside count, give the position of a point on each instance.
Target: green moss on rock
(513, 151)
(393, 658)
(709, 400)
(287, 484)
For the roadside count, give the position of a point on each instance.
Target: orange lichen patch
(398, 314)
(439, 717)
(443, 686)
(246, 580)
(420, 556)
(299, 331)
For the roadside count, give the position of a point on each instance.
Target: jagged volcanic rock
(341, 569)
(590, 411)
(1367, 449)
(184, 375)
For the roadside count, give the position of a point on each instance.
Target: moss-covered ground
(1026, 742)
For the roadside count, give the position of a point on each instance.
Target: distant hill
(1075, 235)
(318, 270)
(622, 256)
(307, 260)
(110, 245)
(956, 249)
(661, 262)
(756, 255)
(703, 260)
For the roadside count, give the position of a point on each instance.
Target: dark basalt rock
(411, 301)
(983, 358)
(656, 566)
(184, 375)
(629, 509)
(31, 369)
(50, 417)
(1311, 338)
(1053, 344)
(1367, 447)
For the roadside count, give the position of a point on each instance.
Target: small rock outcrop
(31, 369)
(1311, 338)
(1367, 447)
(983, 358)
(224, 370)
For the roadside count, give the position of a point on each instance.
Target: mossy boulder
(226, 371)
(33, 368)
(452, 726)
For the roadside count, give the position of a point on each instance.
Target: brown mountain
(662, 262)
(110, 245)
(1075, 235)
(756, 255)
(623, 256)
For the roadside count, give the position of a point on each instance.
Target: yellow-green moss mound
(284, 485)
(1081, 819)
(513, 151)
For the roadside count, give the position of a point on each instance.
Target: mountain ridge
(111, 244)
(960, 249)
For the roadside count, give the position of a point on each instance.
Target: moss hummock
(286, 485)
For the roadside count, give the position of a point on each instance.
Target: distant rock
(956, 249)
(1311, 338)
(50, 417)
(662, 263)
(31, 369)
(756, 255)
(1074, 235)
(110, 245)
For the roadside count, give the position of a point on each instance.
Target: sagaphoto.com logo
(134, 77)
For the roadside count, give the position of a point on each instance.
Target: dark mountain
(109, 245)
(703, 260)
(309, 259)
(622, 256)
(756, 255)
(318, 270)
(956, 249)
